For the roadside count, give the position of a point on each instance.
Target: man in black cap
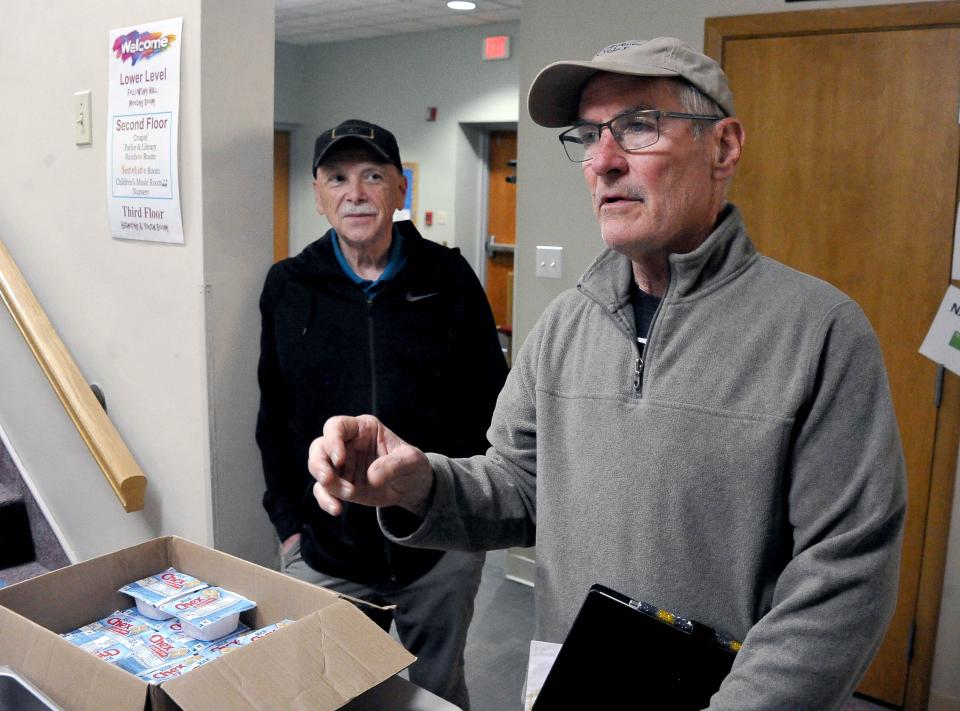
(373, 318)
(694, 425)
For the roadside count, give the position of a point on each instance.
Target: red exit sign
(496, 47)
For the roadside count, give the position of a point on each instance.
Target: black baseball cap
(379, 139)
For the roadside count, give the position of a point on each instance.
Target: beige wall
(237, 115)
(555, 209)
(168, 331)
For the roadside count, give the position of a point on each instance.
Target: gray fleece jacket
(755, 482)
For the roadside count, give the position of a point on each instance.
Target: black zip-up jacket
(422, 355)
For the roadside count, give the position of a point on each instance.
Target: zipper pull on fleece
(638, 368)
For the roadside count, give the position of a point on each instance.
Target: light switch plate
(549, 262)
(81, 117)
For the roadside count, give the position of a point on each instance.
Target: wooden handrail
(102, 439)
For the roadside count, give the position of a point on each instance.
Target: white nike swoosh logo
(419, 297)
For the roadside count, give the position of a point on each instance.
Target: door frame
(481, 141)
(282, 138)
(483, 189)
(719, 30)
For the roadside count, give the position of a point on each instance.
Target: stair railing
(102, 439)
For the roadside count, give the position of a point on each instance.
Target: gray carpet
(498, 643)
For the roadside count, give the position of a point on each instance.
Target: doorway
(851, 174)
(281, 195)
(501, 231)
(497, 274)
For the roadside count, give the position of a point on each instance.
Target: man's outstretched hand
(359, 460)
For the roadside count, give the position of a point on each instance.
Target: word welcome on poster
(143, 186)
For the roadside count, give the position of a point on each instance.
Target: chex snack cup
(153, 591)
(209, 613)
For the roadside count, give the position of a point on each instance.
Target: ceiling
(317, 21)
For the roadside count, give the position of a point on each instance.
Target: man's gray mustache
(358, 210)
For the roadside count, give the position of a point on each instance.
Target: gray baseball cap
(554, 98)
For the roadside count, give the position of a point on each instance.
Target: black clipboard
(625, 654)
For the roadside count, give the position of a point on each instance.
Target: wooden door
(281, 195)
(850, 173)
(501, 225)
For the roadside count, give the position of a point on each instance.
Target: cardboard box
(330, 655)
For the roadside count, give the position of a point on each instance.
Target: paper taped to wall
(942, 343)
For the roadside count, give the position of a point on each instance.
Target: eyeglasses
(632, 131)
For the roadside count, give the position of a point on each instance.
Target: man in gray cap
(694, 425)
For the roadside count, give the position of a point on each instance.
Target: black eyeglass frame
(568, 137)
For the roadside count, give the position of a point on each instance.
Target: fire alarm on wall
(431, 113)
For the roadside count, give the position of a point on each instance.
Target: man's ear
(728, 137)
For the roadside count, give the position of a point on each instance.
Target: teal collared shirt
(395, 262)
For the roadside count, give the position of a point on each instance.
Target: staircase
(28, 545)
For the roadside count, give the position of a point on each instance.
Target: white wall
(168, 331)
(553, 205)
(391, 81)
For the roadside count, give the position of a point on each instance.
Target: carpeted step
(7, 495)
(17, 548)
(43, 546)
(19, 573)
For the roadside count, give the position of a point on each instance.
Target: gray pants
(432, 616)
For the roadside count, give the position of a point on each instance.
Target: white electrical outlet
(549, 262)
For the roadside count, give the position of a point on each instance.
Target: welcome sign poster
(143, 117)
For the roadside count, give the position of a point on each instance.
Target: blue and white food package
(228, 643)
(172, 669)
(119, 624)
(173, 629)
(104, 646)
(154, 649)
(242, 637)
(143, 619)
(209, 613)
(258, 634)
(171, 625)
(162, 646)
(152, 592)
